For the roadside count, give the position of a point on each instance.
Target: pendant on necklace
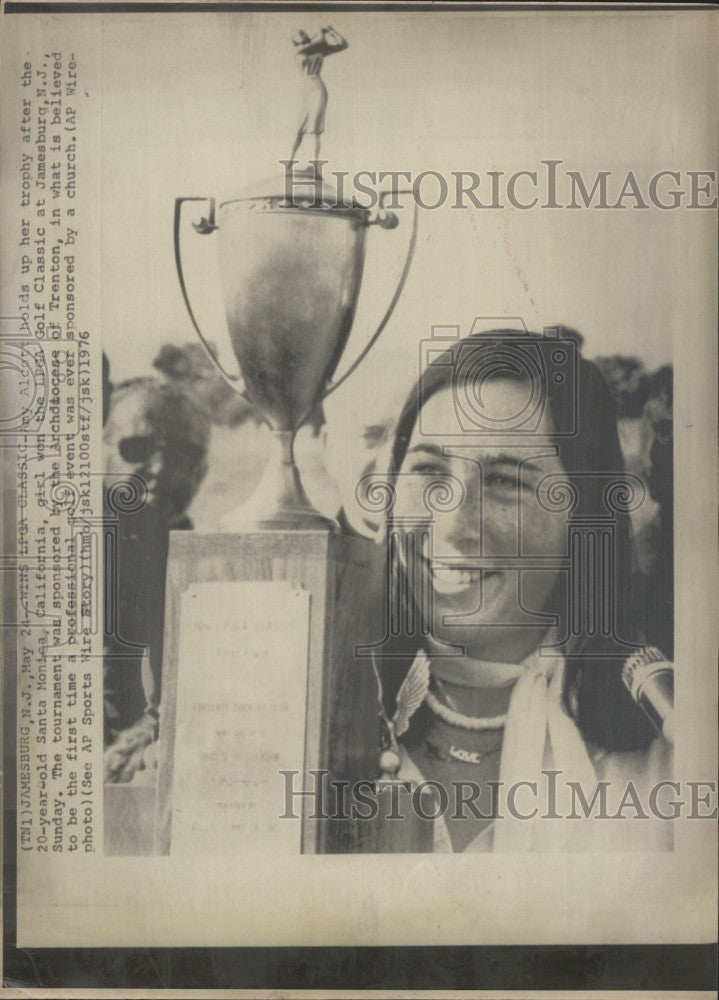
(468, 756)
(459, 753)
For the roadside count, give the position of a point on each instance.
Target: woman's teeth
(450, 580)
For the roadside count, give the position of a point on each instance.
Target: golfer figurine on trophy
(310, 53)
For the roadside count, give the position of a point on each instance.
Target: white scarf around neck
(539, 735)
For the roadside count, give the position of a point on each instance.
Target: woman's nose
(459, 530)
(479, 525)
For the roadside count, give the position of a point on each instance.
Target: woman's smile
(453, 579)
(454, 576)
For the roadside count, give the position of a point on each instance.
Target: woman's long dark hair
(594, 693)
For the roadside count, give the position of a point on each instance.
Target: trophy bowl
(290, 268)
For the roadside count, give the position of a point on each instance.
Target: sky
(205, 104)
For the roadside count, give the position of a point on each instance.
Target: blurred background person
(155, 439)
(333, 456)
(337, 450)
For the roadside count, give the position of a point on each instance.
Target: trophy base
(267, 624)
(279, 503)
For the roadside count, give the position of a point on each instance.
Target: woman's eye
(501, 479)
(506, 482)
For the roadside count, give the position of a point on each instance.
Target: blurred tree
(190, 365)
(569, 331)
(628, 380)
(658, 412)
(644, 399)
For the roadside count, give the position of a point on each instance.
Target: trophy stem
(279, 502)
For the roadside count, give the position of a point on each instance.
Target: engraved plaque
(241, 719)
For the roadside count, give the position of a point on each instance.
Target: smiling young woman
(524, 641)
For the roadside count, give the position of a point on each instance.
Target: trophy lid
(299, 189)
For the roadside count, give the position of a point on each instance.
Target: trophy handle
(387, 220)
(204, 226)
